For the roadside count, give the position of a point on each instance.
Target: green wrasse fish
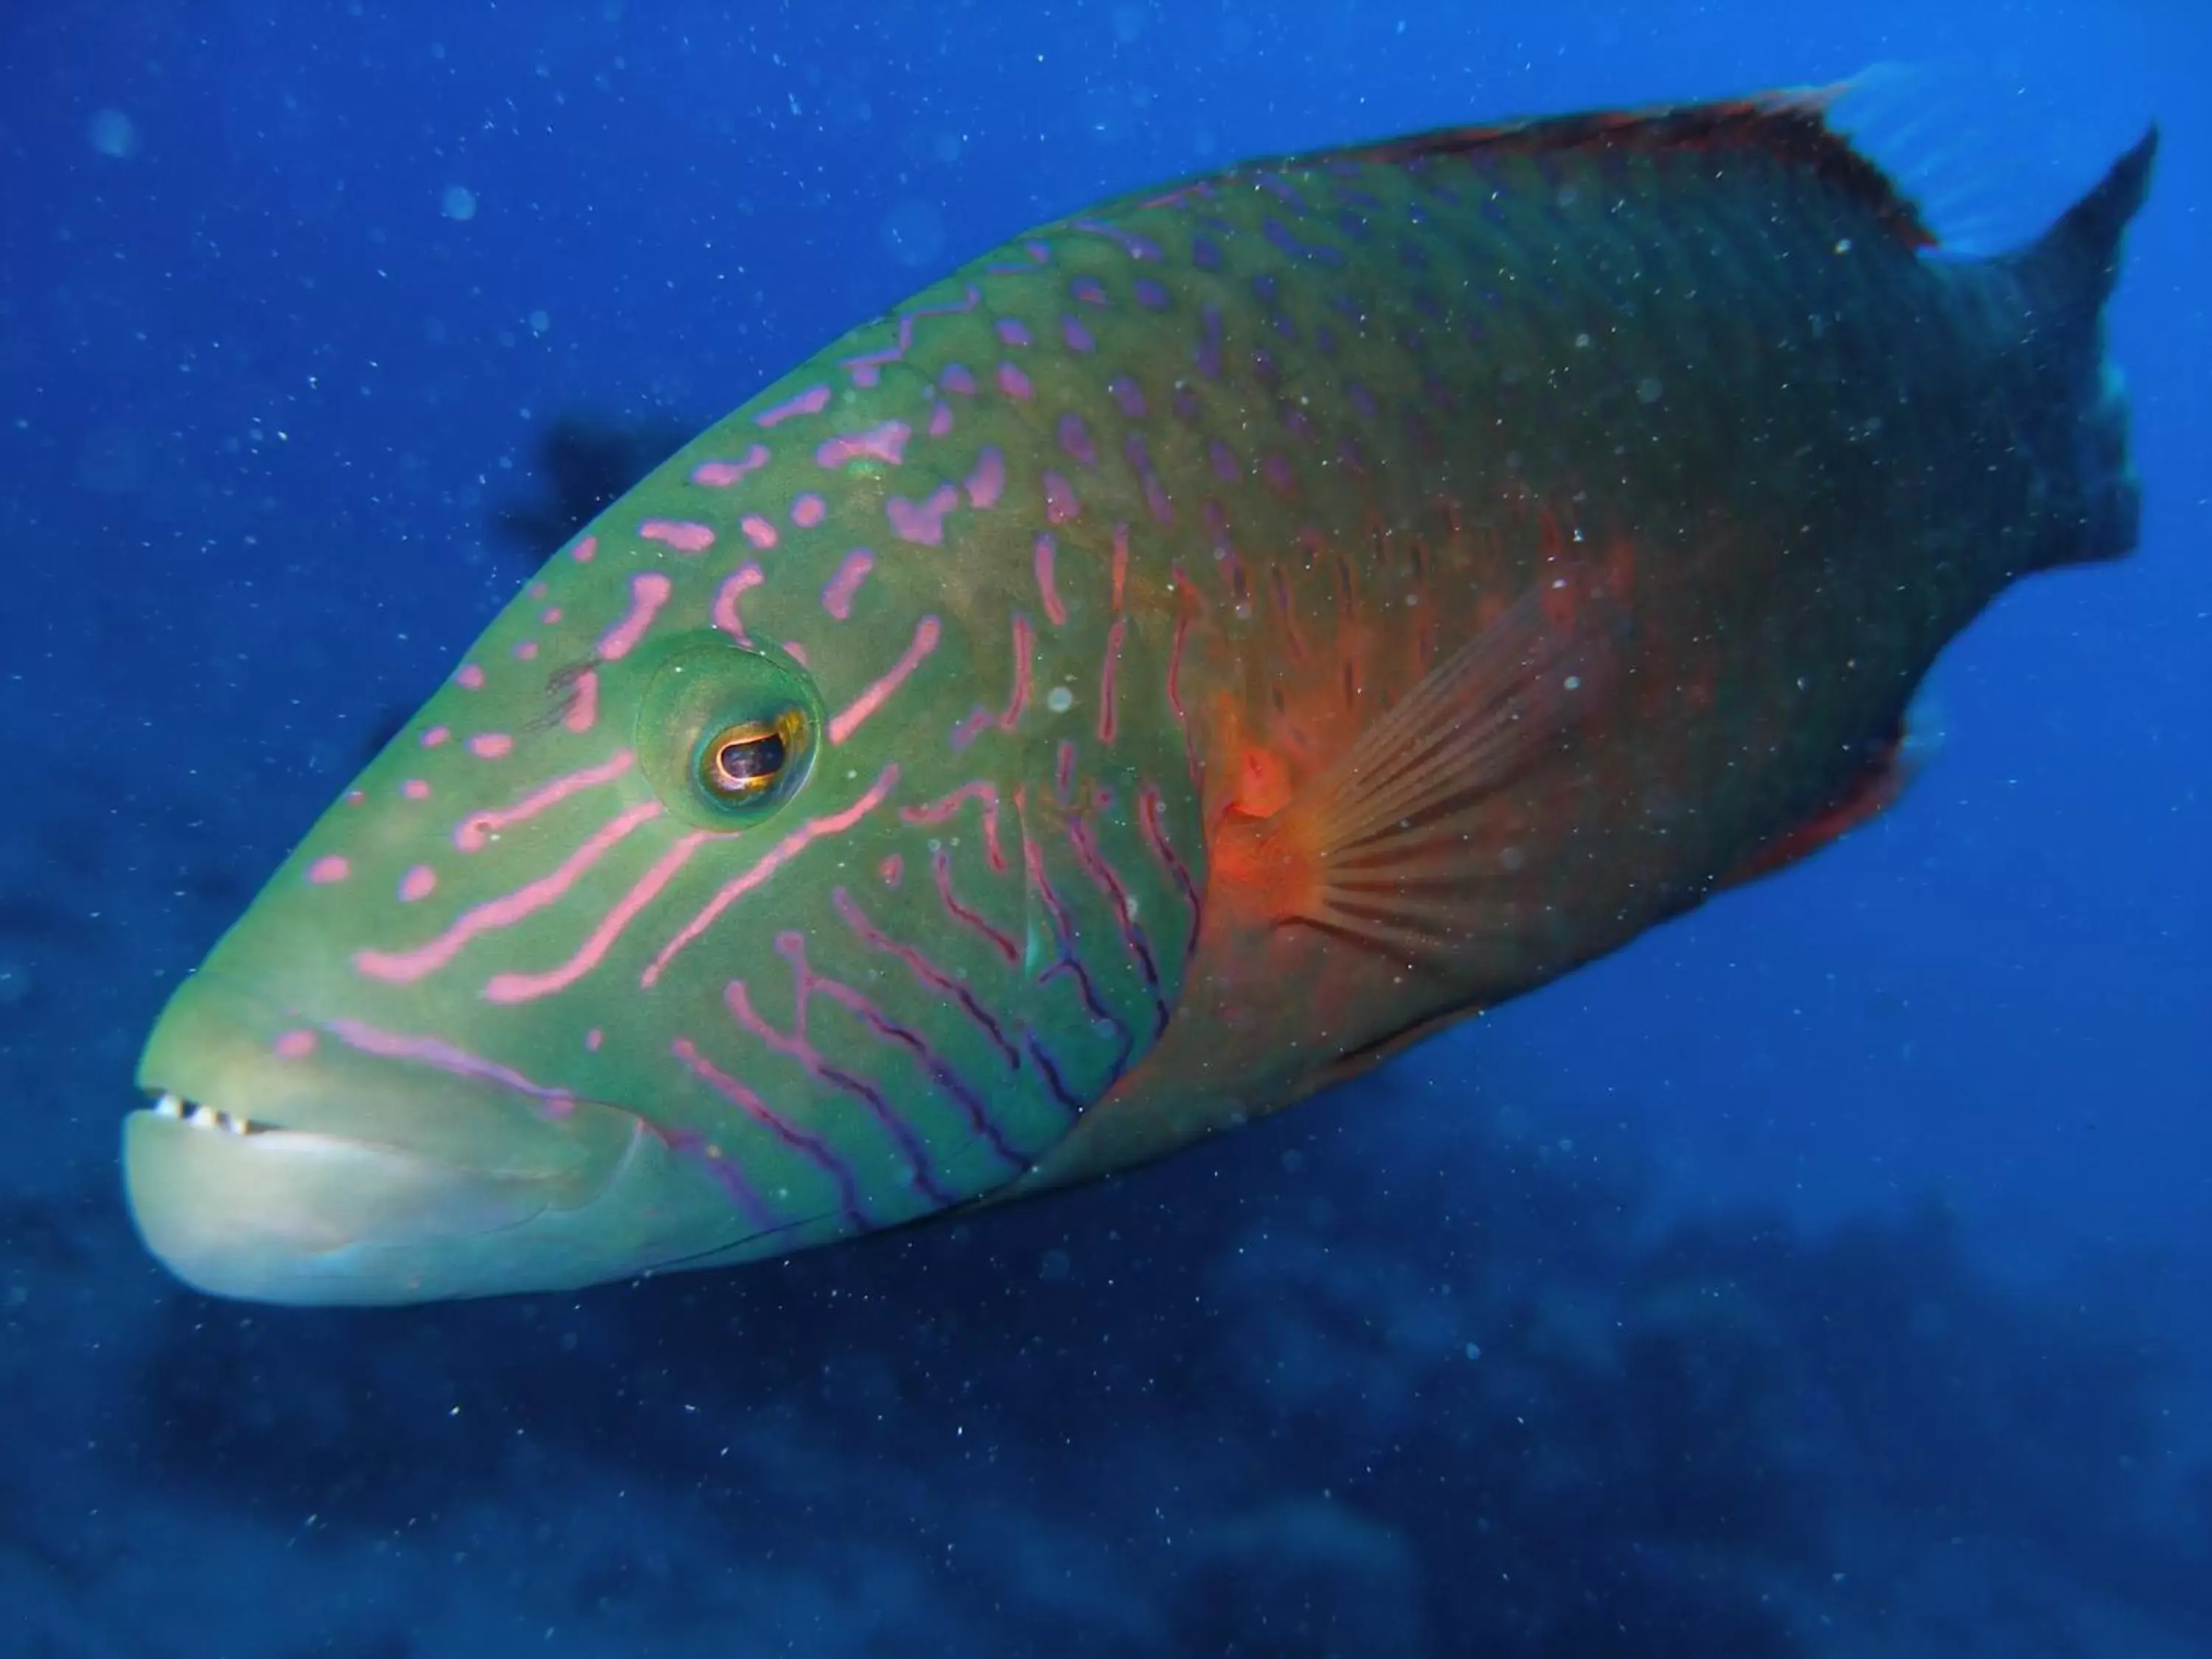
(1158, 670)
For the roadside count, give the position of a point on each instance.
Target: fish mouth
(343, 1178)
(238, 1207)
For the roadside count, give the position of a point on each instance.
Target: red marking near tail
(528, 988)
(814, 829)
(472, 832)
(405, 967)
(926, 634)
(982, 791)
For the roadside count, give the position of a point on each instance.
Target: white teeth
(199, 1116)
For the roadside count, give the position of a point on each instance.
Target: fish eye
(745, 761)
(727, 733)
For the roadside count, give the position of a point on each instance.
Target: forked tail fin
(2064, 278)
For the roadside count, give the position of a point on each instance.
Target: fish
(1163, 668)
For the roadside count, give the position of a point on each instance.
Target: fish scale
(1208, 640)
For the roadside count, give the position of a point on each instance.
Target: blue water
(1822, 1276)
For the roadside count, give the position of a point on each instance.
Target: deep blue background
(260, 389)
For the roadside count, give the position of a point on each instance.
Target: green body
(1293, 436)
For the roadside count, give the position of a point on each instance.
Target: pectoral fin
(1387, 845)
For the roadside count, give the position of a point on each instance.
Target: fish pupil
(748, 761)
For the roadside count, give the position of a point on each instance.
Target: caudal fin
(2064, 278)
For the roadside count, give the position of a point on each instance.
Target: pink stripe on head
(852, 570)
(511, 987)
(648, 592)
(926, 632)
(814, 829)
(684, 535)
(734, 588)
(472, 833)
(405, 967)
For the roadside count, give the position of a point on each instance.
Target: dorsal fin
(1791, 126)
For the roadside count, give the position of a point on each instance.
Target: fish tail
(2062, 280)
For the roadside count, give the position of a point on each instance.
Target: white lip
(285, 1215)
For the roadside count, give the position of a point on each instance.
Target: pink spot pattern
(475, 831)
(989, 481)
(586, 550)
(720, 475)
(294, 1045)
(436, 735)
(852, 570)
(734, 588)
(418, 883)
(470, 678)
(812, 401)
(848, 721)
(885, 443)
(808, 510)
(758, 531)
(583, 709)
(922, 521)
(648, 592)
(684, 535)
(1014, 383)
(1055, 613)
(331, 867)
(1059, 503)
(491, 745)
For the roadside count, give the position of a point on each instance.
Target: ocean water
(1824, 1275)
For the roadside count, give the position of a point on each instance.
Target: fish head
(722, 902)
